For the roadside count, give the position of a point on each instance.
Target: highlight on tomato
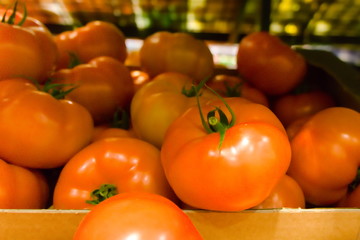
(108, 167)
(227, 158)
(325, 155)
(22, 188)
(269, 64)
(176, 52)
(27, 47)
(38, 128)
(136, 216)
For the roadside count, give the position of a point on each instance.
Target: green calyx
(233, 91)
(12, 17)
(104, 192)
(55, 89)
(216, 120)
(121, 119)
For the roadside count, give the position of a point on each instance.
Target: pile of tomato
(81, 129)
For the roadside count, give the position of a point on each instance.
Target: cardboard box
(277, 224)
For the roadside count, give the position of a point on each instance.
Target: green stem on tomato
(56, 89)
(104, 192)
(12, 17)
(233, 91)
(121, 119)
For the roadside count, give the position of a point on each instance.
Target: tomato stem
(12, 17)
(121, 119)
(233, 91)
(104, 192)
(57, 89)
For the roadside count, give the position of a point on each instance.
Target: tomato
(290, 107)
(233, 86)
(140, 78)
(104, 131)
(269, 64)
(231, 171)
(102, 85)
(161, 101)
(286, 194)
(351, 199)
(22, 188)
(325, 155)
(108, 39)
(136, 216)
(37, 130)
(176, 52)
(111, 165)
(27, 49)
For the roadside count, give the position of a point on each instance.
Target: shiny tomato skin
(132, 165)
(290, 107)
(241, 173)
(325, 155)
(269, 64)
(48, 131)
(176, 52)
(286, 194)
(136, 216)
(108, 39)
(22, 188)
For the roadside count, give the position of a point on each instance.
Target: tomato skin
(48, 131)
(176, 52)
(128, 163)
(243, 89)
(27, 51)
(136, 215)
(159, 102)
(104, 131)
(269, 64)
(22, 188)
(286, 194)
(103, 77)
(108, 39)
(325, 155)
(290, 107)
(254, 156)
(352, 199)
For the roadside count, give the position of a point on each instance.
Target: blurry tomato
(140, 78)
(293, 106)
(269, 64)
(352, 198)
(233, 86)
(176, 52)
(286, 194)
(138, 216)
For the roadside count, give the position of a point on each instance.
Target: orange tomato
(176, 52)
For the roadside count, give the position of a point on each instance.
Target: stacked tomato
(77, 129)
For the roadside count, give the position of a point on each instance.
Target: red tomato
(95, 39)
(111, 165)
(325, 155)
(286, 194)
(233, 86)
(238, 174)
(176, 52)
(136, 216)
(27, 50)
(102, 85)
(37, 130)
(352, 199)
(22, 188)
(290, 107)
(269, 64)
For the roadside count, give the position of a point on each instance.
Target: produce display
(78, 131)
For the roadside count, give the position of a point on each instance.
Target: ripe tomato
(352, 199)
(159, 102)
(269, 64)
(290, 107)
(37, 130)
(136, 216)
(176, 52)
(237, 174)
(102, 85)
(325, 155)
(22, 188)
(286, 194)
(111, 165)
(95, 39)
(27, 49)
(233, 86)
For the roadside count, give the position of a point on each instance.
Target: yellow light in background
(291, 29)
(276, 27)
(322, 27)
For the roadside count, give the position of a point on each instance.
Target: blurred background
(327, 24)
